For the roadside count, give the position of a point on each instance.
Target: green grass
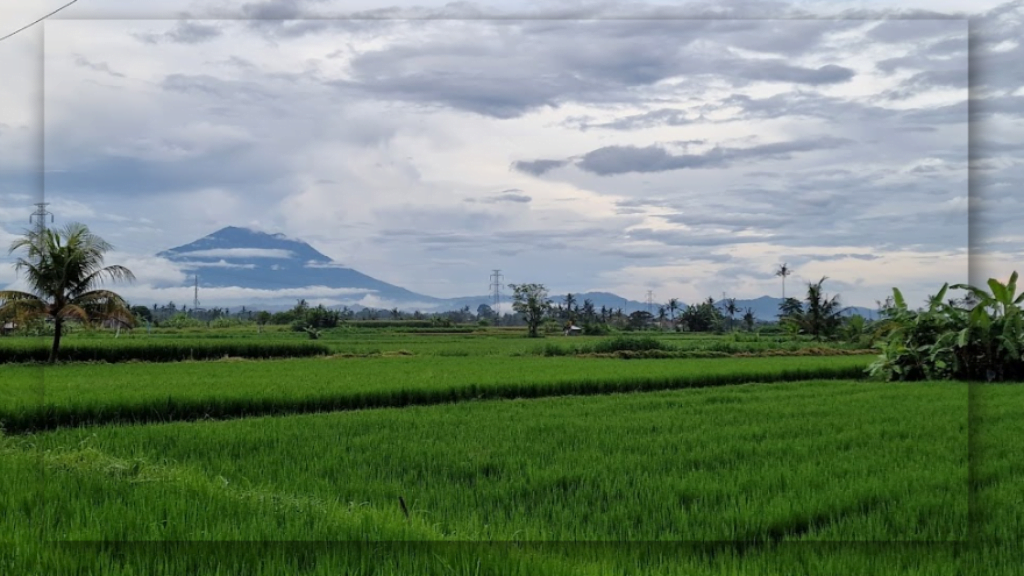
(784, 455)
(34, 398)
(154, 350)
(998, 478)
(816, 460)
(779, 467)
(420, 342)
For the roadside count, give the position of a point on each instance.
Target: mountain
(245, 258)
(606, 299)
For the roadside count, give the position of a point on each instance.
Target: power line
(27, 26)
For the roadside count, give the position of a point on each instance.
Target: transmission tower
(195, 298)
(496, 287)
(39, 216)
(650, 302)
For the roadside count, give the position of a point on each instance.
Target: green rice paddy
(489, 458)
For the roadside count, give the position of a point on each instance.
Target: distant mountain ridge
(241, 257)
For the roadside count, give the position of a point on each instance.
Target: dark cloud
(184, 32)
(517, 198)
(204, 84)
(273, 10)
(781, 72)
(538, 167)
(915, 30)
(612, 160)
(548, 64)
(513, 195)
(97, 66)
(923, 81)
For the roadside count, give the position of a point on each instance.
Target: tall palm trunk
(58, 325)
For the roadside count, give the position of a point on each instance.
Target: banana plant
(1002, 299)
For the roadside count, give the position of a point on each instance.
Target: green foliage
(531, 300)
(821, 317)
(182, 320)
(64, 269)
(703, 317)
(983, 341)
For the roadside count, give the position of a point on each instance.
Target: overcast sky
(609, 146)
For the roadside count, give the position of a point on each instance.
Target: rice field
(370, 342)
(32, 397)
(655, 483)
(406, 453)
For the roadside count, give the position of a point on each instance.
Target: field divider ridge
(30, 419)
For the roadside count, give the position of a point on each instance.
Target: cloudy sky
(608, 146)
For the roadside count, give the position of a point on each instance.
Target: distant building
(8, 328)
(573, 330)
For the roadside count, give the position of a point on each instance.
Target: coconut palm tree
(823, 316)
(673, 306)
(64, 269)
(783, 271)
(748, 319)
(731, 308)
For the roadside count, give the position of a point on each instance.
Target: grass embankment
(35, 398)
(775, 467)
(214, 343)
(153, 350)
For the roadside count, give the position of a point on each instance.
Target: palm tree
(823, 315)
(64, 269)
(748, 319)
(570, 304)
(732, 309)
(783, 271)
(673, 305)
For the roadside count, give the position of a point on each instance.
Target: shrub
(979, 338)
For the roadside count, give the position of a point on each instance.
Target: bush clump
(977, 338)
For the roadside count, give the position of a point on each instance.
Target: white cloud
(218, 264)
(192, 139)
(238, 253)
(314, 264)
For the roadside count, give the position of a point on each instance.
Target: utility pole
(496, 287)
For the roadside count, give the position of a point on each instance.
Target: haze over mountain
(246, 258)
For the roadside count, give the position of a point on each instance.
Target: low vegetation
(769, 467)
(76, 394)
(979, 337)
(144, 350)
